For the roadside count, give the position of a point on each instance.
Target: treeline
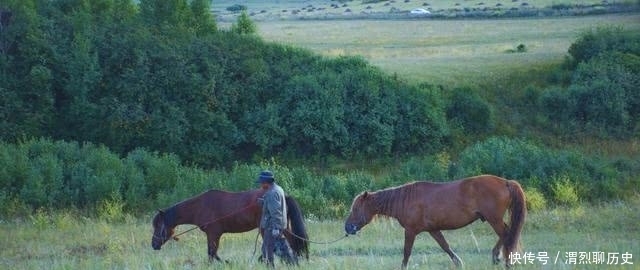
(45, 174)
(160, 75)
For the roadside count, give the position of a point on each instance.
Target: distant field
(438, 51)
(61, 241)
(321, 9)
(450, 52)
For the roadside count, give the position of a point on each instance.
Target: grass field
(261, 10)
(448, 52)
(64, 241)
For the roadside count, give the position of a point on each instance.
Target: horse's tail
(518, 212)
(298, 242)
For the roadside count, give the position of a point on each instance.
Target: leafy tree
(604, 39)
(25, 70)
(602, 99)
(244, 25)
(164, 13)
(601, 96)
(467, 109)
(202, 21)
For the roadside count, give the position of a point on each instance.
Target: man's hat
(265, 177)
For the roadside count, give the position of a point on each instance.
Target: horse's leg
(409, 238)
(495, 253)
(445, 246)
(213, 240)
(499, 227)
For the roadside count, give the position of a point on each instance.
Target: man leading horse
(274, 221)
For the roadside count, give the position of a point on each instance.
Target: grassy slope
(448, 52)
(63, 242)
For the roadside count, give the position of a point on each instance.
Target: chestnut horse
(216, 212)
(432, 207)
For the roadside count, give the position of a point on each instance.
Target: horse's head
(163, 230)
(361, 213)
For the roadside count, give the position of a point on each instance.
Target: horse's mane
(393, 200)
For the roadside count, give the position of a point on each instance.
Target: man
(274, 220)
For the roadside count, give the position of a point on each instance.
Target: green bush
(511, 158)
(602, 99)
(538, 167)
(535, 200)
(436, 168)
(470, 111)
(565, 191)
(244, 25)
(604, 39)
(111, 209)
(236, 8)
(521, 48)
(555, 104)
(98, 182)
(11, 206)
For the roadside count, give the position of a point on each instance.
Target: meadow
(63, 240)
(444, 52)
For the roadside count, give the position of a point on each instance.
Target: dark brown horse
(432, 207)
(217, 212)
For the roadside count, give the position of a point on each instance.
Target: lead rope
(316, 242)
(255, 246)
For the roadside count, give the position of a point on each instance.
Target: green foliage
(436, 168)
(521, 48)
(244, 25)
(604, 39)
(160, 76)
(469, 111)
(40, 219)
(564, 191)
(535, 200)
(111, 210)
(602, 98)
(44, 174)
(237, 8)
(538, 167)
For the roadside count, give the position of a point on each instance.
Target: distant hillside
(226, 11)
